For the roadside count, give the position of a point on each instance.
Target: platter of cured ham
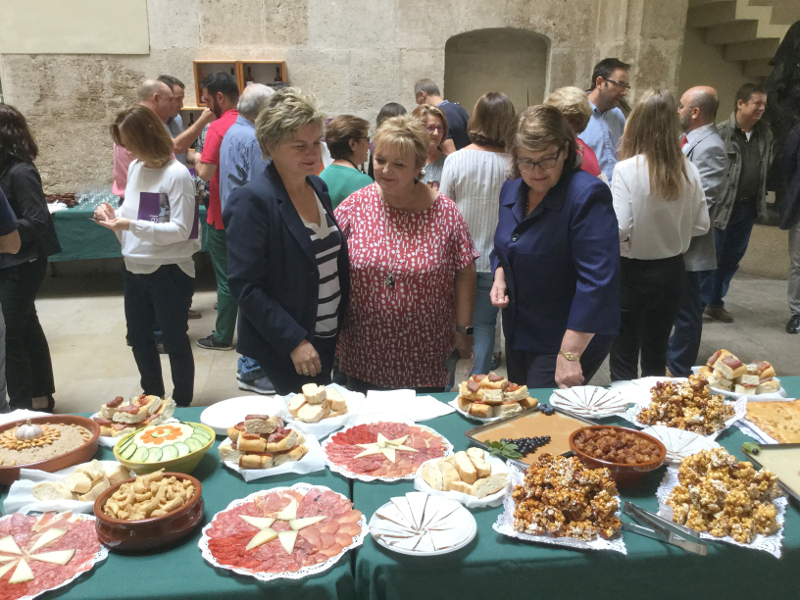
(384, 450)
(42, 553)
(283, 532)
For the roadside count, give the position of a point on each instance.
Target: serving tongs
(663, 530)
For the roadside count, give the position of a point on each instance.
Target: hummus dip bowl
(65, 457)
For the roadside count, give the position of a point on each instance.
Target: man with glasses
(602, 134)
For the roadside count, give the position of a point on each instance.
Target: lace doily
(300, 573)
(771, 544)
(88, 565)
(505, 525)
(345, 472)
(739, 408)
(754, 431)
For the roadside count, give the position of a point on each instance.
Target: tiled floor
(85, 326)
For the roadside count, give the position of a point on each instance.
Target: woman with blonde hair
(435, 122)
(159, 228)
(660, 206)
(574, 105)
(287, 260)
(472, 178)
(413, 272)
(555, 259)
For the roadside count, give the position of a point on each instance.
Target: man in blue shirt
(602, 134)
(239, 162)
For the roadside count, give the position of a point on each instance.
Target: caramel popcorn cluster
(721, 496)
(687, 406)
(562, 498)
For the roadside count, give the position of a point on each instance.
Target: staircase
(749, 30)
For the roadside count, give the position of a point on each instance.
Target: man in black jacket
(790, 219)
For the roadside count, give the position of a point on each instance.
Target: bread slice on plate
(460, 486)
(493, 397)
(432, 475)
(465, 467)
(51, 490)
(506, 409)
(481, 410)
(768, 387)
(313, 413)
(489, 485)
(314, 393)
(296, 403)
(528, 402)
(337, 401)
(293, 455)
(478, 459)
(449, 474)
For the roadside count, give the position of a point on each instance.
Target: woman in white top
(435, 122)
(658, 198)
(159, 229)
(472, 178)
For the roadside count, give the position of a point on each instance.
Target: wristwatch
(465, 330)
(570, 356)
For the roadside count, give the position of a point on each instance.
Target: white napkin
(19, 414)
(404, 402)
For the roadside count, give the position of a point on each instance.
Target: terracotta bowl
(149, 534)
(81, 454)
(623, 475)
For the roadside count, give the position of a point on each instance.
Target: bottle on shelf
(249, 79)
(233, 71)
(278, 74)
(191, 119)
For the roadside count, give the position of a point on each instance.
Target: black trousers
(651, 293)
(285, 378)
(161, 297)
(539, 370)
(359, 385)
(29, 371)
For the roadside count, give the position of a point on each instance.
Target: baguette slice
(765, 370)
(507, 409)
(260, 424)
(465, 467)
(337, 401)
(432, 475)
(255, 461)
(480, 410)
(290, 441)
(464, 404)
(748, 380)
(228, 452)
(493, 397)
(312, 413)
(119, 474)
(293, 455)
(768, 387)
(478, 459)
(314, 393)
(528, 402)
(489, 485)
(93, 470)
(296, 403)
(51, 490)
(98, 489)
(460, 486)
(730, 367)
(449, 474)
(78, 482)
(515, 392)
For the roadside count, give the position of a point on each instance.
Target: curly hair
(16, 140)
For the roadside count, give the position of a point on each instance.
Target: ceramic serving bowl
(81, 454)
(148, 534)
(622, 474)
(182, 464)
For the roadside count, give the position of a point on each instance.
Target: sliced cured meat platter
(283, 532)
(45, 552)
(383, 450)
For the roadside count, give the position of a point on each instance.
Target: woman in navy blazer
(555, 259)
(287, 260)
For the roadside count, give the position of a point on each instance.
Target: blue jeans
(248, 369)
(484, 319)
(731, 245)
(685, 341)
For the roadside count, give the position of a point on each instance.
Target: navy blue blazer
(272, 269)
(561, 262)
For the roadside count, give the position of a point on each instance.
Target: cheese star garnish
(286, 538)
(386, 447)
(23, 572)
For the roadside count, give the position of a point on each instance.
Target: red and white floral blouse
(398, 336)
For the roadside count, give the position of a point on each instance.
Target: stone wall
(355, 55)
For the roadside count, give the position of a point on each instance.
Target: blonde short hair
(424, 110)
(573, 104)
(285, 112)
(407, 134)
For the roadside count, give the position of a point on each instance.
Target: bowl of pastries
(627, 453)
(172, 446)
(493, 397)
(149, 511)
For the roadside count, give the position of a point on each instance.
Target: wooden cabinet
(267, 72)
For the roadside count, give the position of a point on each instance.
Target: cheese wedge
(58, 557)
(262, 537)
(22, 574)
(8, 567)
(47, 537)
(7, 544)
(260, 522)
(298, 524)
(287, 540)
(288, 513)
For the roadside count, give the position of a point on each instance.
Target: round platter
(81, 453)
(589, 401)
(225, 414)
(679, 442)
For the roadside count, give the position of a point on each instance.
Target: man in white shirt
(602, 134)
(703, 146)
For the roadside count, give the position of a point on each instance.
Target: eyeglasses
(363, 137)
(545, 164)
(619, 84)
(433, 128)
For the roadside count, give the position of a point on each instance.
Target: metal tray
(473, 433)
(752, 450)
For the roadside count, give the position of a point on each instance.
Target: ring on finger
(305, 370)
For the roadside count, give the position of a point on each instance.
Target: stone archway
(513, 61)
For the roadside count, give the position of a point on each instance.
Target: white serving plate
(225, 414)
(466, 415)
(406, 513)
(779, 395)
(589, 401)
(679, 442)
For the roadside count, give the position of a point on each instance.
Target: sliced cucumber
(125, 444)
(203, 441)
(128, 452)
(194, 444)
(182, 448)
(201, 434)
(170, 452)
(154, 455)
(140, 455)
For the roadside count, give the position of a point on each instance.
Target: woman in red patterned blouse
(412, 271)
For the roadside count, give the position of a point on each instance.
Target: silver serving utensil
(663, 530)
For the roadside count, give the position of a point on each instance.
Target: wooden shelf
(263, 72)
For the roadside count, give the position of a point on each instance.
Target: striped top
(472, 179)
(327, 242)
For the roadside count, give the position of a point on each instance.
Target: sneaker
(495, 361)
(262, 385)
(212, 343)
(195, 314)
(718, 313)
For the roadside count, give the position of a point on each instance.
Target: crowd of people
(378, 261)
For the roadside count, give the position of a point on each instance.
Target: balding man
(703, 146)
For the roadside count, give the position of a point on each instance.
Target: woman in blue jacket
(556, 258)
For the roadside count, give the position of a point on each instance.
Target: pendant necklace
(390, 277)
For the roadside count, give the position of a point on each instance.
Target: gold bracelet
(570, 356)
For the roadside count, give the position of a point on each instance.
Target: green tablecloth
(83, 239)
(494, 566)
(181, 572)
